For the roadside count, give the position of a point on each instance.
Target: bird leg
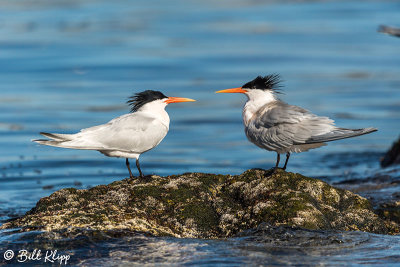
(138, 167)
(129, 168)
(278, 158)
(287, 159)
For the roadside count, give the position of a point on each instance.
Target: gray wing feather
(279, 125)
(340, 133)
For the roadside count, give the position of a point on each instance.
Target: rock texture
(204, 206)
(382, 190)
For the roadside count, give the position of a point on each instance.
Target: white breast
(256, 99)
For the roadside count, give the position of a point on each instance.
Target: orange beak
(233, 90)
(178, 99)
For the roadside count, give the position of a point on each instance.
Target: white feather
(126, 136)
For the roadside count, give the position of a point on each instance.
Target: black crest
(270, 82)
(139, 99)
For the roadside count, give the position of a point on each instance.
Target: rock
(199, 205)
(382, 190)
(392, 156)
(391, 213)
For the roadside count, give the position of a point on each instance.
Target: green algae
(204, 206)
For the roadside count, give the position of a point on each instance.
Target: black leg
(129, 168)
(287, 159)
(138, 167)
(278, 158)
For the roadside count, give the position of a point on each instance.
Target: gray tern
(277, 126)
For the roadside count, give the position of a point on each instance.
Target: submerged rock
(203, 206)
(392, 156)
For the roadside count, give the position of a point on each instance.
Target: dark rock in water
(392, 156)
(286, 236)
(203, 206)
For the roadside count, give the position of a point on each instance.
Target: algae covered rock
(203, 206)
(382, 190)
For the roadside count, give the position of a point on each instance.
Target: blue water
(67, 65)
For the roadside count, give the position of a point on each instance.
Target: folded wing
(279, 125)
(129, 133)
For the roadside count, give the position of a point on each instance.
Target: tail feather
(58, 137)
(48, 142)
(70, 144)
(339, 133)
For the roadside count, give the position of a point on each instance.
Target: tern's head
(259, 88)
(153, 100)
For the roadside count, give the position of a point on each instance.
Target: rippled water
(67, 65)
(266, 245)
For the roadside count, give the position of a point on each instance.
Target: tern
(127, 136)
(274, 125)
